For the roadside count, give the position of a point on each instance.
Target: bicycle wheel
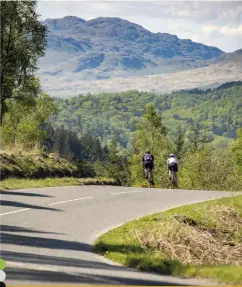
(150, 178)
(174, 178)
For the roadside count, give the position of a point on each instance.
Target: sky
(213, 23)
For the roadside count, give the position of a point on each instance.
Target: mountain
(227, 67)
(112, 54)
(104, 48)
(229, 58)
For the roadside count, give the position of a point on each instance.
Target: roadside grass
(37, 165)
(202, 240)
(20, 183)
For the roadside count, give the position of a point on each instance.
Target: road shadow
(41, 242)
(25, 205)
(40, 259)
(31, 274)
(5, 192)
(9, 228)
(61, 277)
(54, 243)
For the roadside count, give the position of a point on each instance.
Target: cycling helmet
(172, 155)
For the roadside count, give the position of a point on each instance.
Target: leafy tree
(198, 137)
(92, 148)
(236, 153)
(116, 164)
(22, 123)
(208, 169)
(23, 41)
(111, 115)
(151, 135)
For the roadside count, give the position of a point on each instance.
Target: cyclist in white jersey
(172, 164)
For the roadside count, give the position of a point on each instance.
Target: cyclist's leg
(152, 173)
(145, 170)
(174, 178)
(175, 174)
(169, 172)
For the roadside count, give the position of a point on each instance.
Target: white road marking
(81, 198)
(15, 211)
(116, 193)
(25, 209)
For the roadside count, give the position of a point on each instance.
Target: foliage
(116, 164)
(151, 135)
(23, 41)
(236, 153)
(208, 169)
(117, 114)
(201, 165)
(178, 142)
(21, 124)
(41, 165)
(86, 148)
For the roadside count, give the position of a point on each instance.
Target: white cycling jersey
(171, 160)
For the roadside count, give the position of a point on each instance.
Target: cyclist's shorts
(148, 164)
(173, 166)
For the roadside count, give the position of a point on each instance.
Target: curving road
(46, 234)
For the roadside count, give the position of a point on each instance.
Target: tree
(151, 135)
(208, 168)
(236, 153)
(198, 137)
(92, 149)
(22, 123)
(116, 164)
(23, 41)
(178, 144)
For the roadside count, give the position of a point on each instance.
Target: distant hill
(109, 50)
(229, 57)
(116, 114)
(108, 47)
(226, 68)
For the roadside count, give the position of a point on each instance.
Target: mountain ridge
(115, 50)
(121, 47)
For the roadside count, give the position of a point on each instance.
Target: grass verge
(15, 183)
(202, 240)
(41, 165)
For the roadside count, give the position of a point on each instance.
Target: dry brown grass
(179, 237)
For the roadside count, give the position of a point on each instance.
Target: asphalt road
(46, 234)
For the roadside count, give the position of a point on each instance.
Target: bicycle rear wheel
(150, 177)
(174, 178)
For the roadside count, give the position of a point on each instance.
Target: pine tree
(178, 143)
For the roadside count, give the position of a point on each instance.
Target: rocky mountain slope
(107, 47)
(226, 68)
(115, 51)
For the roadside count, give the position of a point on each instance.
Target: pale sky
(213, 23)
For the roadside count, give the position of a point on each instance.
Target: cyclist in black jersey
(148, 162)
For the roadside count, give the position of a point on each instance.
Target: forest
(219, 111)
